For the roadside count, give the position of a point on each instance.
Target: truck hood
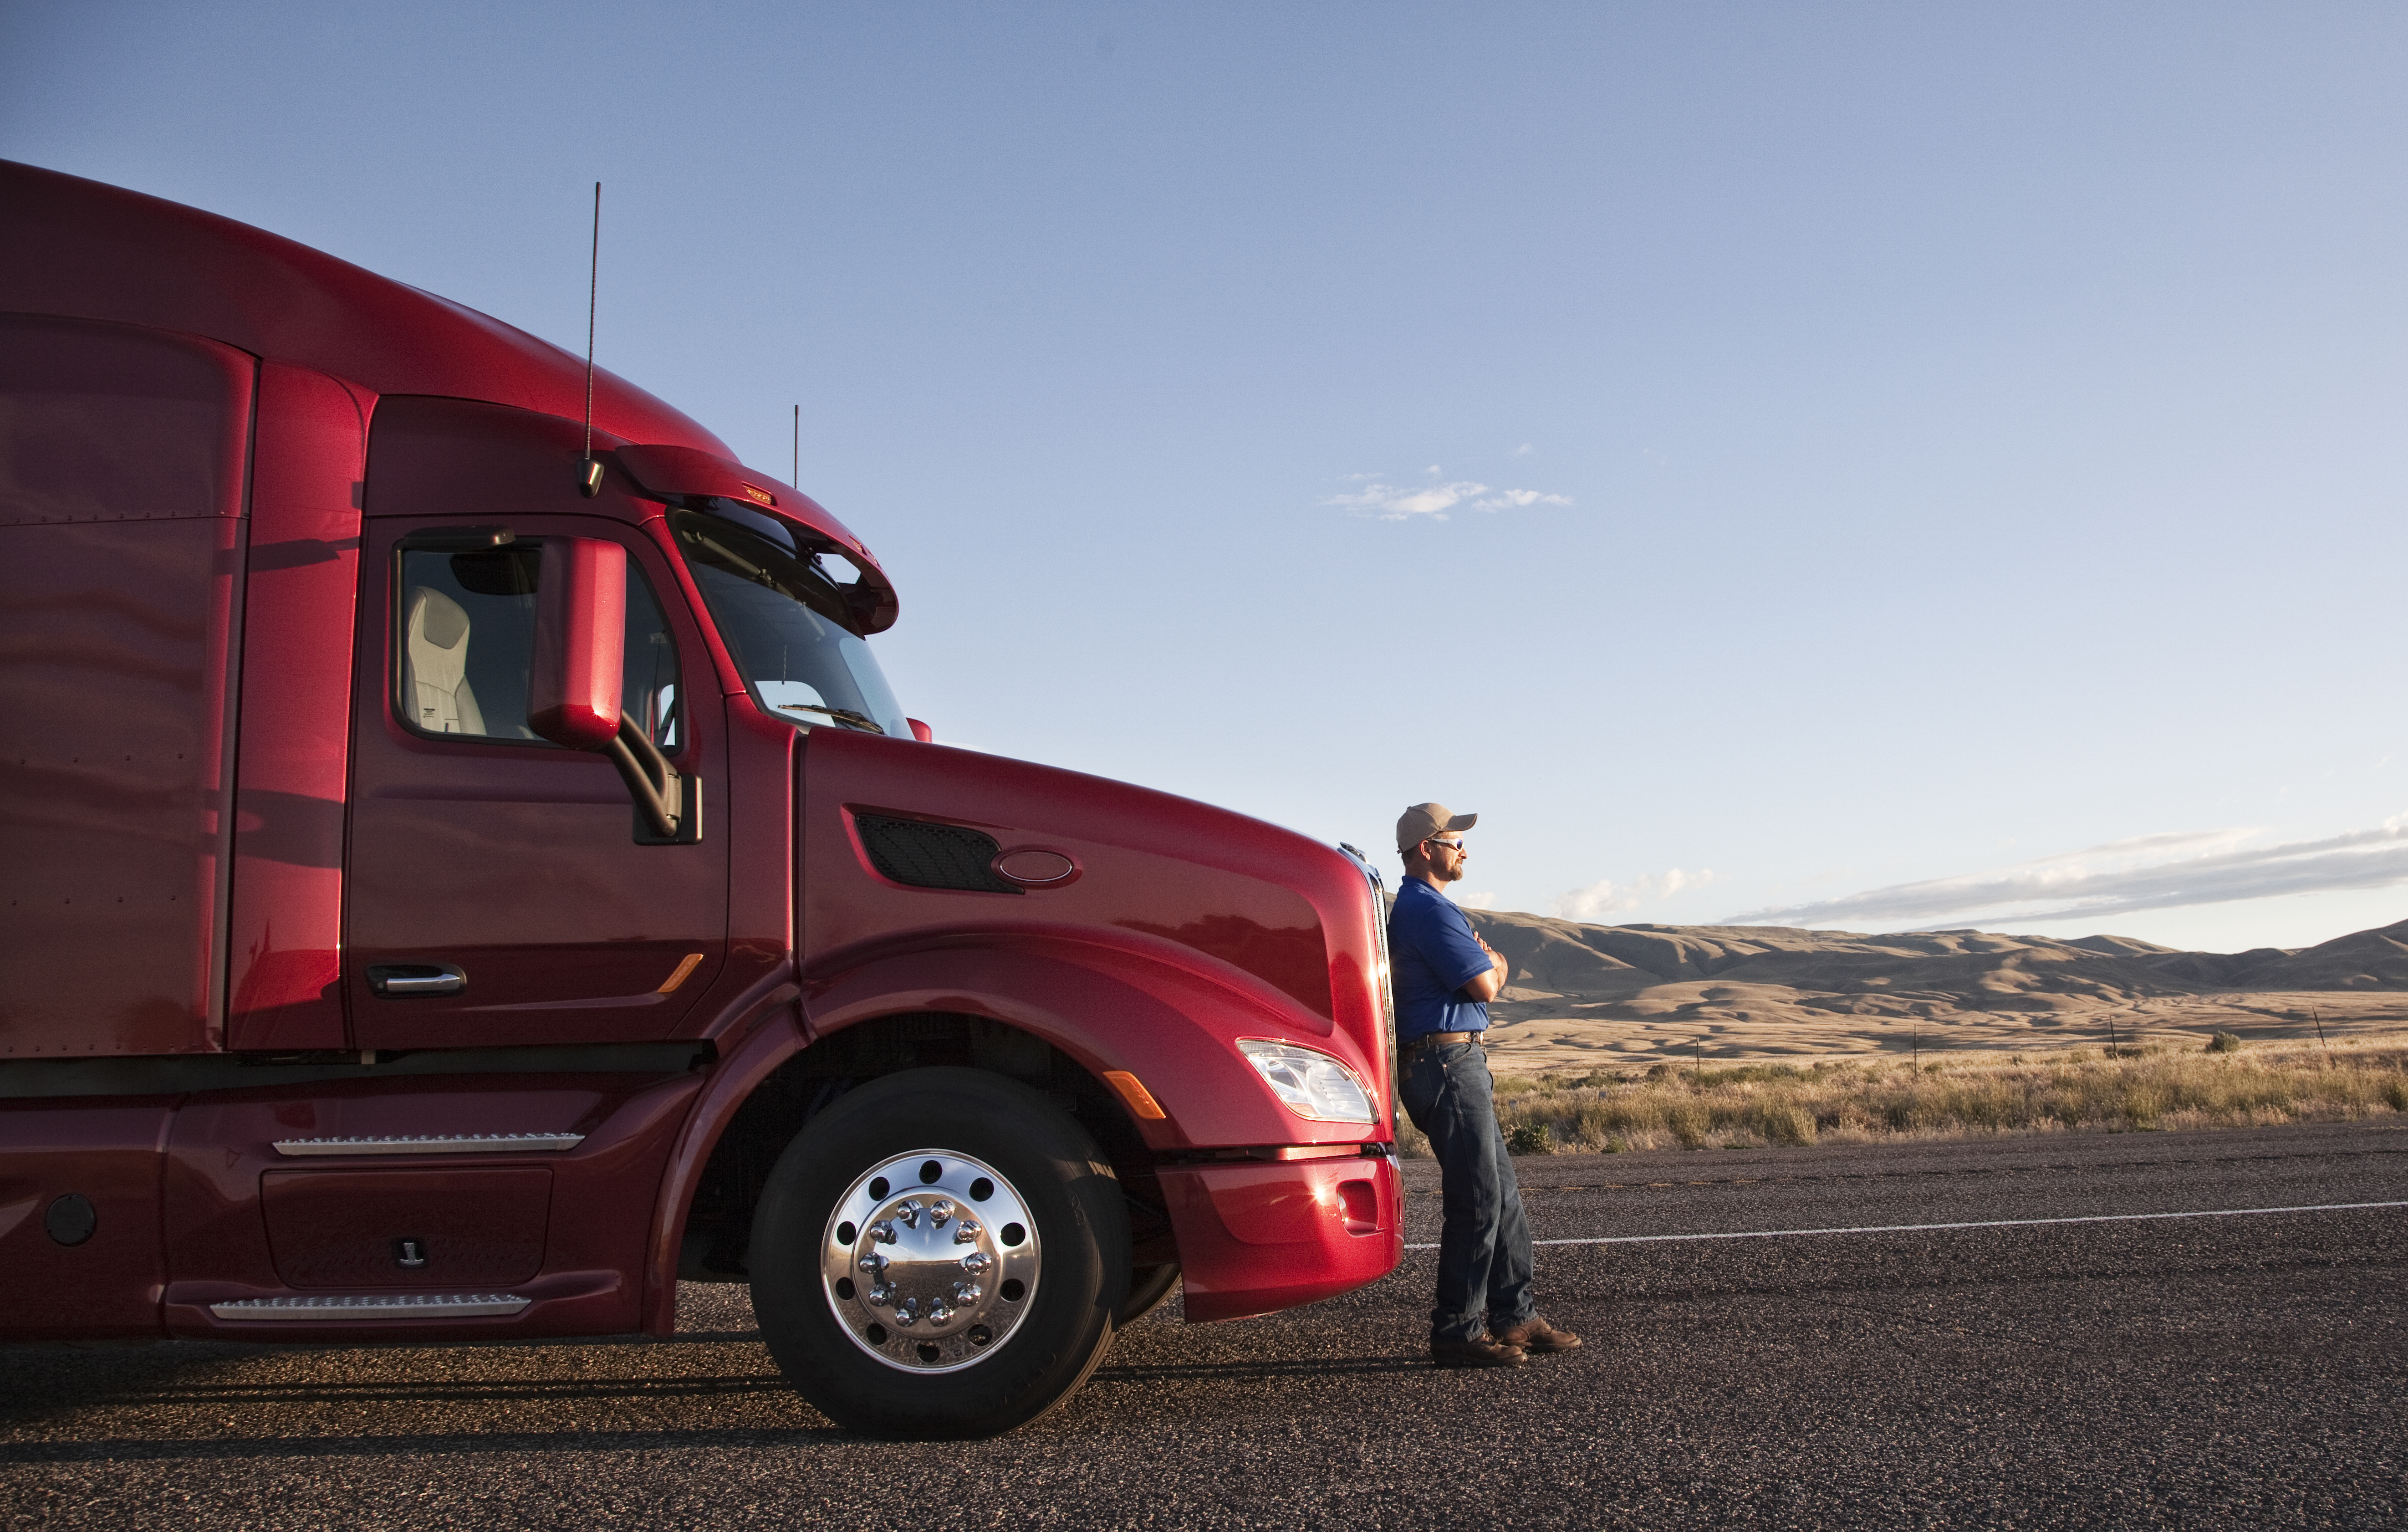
(904, 842)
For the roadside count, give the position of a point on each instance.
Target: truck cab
(465, 873)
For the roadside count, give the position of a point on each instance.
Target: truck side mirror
(580, 639)
(573, 684)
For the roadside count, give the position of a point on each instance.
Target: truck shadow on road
(418, 1392)
(1260, 1370)
(198, 1405)
(580, 1443)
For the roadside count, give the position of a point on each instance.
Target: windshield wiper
(842, 715)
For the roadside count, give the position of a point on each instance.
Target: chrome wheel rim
(930, 1261)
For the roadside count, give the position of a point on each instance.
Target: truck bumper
(1255, 1236)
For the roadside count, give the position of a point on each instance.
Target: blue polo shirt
(1432, 954)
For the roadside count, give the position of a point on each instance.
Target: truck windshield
(781, 615)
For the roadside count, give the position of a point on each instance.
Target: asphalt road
(2241, 1371)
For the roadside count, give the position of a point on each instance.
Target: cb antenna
(799, 447)
(589, 475)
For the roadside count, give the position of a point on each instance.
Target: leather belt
(1437, 1039)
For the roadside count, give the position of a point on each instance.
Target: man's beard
(1451, 873)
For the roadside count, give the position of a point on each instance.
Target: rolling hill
(1639, 991)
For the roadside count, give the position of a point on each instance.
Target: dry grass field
(2130, 1088)
(1543, 1037)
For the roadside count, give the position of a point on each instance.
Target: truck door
(500, 892)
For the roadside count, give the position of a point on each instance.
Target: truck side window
(467, 639)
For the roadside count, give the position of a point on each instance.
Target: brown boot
(1482, 1353)
(1536, 1335)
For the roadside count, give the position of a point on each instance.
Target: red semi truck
(461, 882)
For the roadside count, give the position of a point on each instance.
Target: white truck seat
(434, 666)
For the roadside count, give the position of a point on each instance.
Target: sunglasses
(1449, 845)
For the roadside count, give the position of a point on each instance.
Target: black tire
(1042, 1157)
(1149, 1288)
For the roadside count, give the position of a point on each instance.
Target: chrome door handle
(396, 980)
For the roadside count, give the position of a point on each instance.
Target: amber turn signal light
(1140, 1100)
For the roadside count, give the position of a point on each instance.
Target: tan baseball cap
(1425, 820)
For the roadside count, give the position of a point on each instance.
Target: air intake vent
(925, 856)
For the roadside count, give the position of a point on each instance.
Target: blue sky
(1870, 466)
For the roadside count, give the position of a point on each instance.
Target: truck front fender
(1106, 1004)
(1125, 1001)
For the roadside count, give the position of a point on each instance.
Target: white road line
(1989, 1223)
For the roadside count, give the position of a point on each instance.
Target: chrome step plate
(447, 1143)
(376, 1306)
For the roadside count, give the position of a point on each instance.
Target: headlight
(1311, 1084)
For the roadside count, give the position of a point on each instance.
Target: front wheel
(939, 1253)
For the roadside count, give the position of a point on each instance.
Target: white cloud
(1522, 450)
(1500, 499)
(1606, 898)
(1472, 901)
(2141, 846)
(2166, 871)
(1393, 502)
(1593, 903)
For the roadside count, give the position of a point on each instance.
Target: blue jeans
(1484, 1249)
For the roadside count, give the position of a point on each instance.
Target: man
(1445, 976)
